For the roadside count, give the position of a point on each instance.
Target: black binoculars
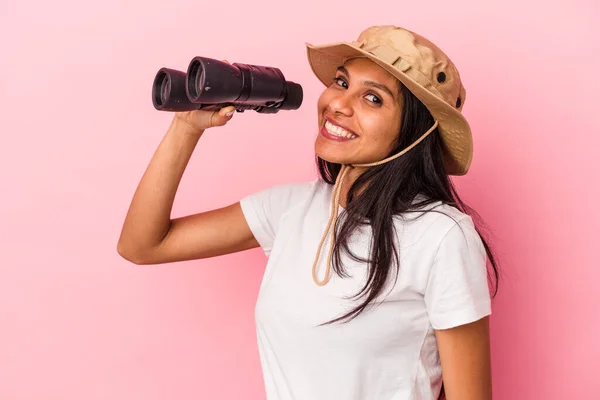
(212, 84)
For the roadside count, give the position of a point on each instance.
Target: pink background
(78, 129)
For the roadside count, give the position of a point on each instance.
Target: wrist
(181, 125)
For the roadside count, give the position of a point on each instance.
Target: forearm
(149, 216)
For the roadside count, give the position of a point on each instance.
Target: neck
(351, 177)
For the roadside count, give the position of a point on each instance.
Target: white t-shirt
(388, 352)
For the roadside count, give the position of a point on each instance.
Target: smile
(336, 132)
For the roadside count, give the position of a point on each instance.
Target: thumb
(221, 117)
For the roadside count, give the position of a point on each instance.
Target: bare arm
(149, 235)
(465, 358)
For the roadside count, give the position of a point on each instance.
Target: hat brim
(452, 125)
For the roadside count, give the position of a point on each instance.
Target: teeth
(337, 131)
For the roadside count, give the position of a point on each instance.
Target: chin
(328, 154)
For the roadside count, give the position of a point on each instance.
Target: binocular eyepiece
(212, 84)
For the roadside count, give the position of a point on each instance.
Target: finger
(221, 117)
(213, 116)
(226, 111)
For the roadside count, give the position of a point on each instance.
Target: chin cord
(335, 201)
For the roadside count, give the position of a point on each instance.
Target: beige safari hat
(422, 67)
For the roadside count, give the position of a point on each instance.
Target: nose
(341, 103)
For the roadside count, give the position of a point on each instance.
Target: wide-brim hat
(422, 68)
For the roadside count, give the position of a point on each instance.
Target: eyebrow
(368, 83)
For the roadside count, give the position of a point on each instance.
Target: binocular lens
(168, 91)
(162, 86)
(195, 77)
(165, 89)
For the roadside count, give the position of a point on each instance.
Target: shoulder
(298, 188)
(288, 191)
(266, 208)
(280, 198)
(435, 223)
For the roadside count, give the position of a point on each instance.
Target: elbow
(130, 255)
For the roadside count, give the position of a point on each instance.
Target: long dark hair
(390, 190)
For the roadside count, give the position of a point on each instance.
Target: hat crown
(428, 64)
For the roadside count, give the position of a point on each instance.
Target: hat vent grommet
(441, 77)
(458, 102)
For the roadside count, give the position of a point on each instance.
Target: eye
(376, 99)
(340, 79)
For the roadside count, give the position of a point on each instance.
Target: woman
(390, 134)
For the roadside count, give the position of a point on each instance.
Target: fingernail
(230, 113)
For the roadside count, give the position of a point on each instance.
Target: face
(359, 114)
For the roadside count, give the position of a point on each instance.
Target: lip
(329, 136)
(340, 125)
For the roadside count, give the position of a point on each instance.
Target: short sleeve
(457, 290)
(264, 209)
